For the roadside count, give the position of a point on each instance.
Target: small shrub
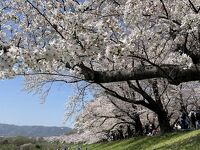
(37, 146)
(5, 142)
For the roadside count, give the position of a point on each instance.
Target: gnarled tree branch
(175, 74)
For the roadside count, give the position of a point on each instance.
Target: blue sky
(20, 108)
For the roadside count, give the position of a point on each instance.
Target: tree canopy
(101, 41)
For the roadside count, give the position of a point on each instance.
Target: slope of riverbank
(186, 140)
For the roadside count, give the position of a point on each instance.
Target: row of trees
(137, 53)
(106, 114)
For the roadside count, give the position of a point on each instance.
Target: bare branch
(115, 94)
(52, 25)
(193, 7)
(165, 9)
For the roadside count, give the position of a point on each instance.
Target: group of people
(150, 129)
(186, 120)
(121, 132)
(116, 134)
(189, 121)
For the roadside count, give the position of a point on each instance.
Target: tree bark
(175, 74)
(138, 126)
(164, 122)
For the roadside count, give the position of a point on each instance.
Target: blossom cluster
(44, 36)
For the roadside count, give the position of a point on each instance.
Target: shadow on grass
(142, 142)
(181, 137)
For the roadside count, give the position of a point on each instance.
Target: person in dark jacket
(183, 120)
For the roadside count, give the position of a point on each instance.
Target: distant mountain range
(8, 130)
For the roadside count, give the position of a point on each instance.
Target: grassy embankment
(187, 140)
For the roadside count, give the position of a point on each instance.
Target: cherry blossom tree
(102, 41)
(105, 114)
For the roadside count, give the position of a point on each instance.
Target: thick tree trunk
(164, 122)
(138, 126)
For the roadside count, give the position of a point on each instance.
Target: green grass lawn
(187, 140)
